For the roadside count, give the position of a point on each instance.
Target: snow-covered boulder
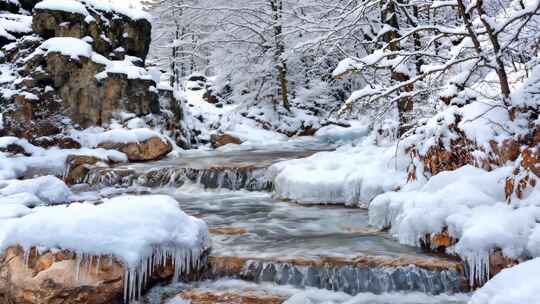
(47, 189)
(94, 254)
(137, 144)
(350, 175)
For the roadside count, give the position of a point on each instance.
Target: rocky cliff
(75, 64)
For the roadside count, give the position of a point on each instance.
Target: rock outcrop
(58, 278)
(113, 33)
(62, 277)
(83, 69)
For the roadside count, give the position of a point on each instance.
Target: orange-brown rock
(498, 262)
(61, 277)
(198, 296)
(51, 278)
(227, 231)
(233, 265)
(219, 140)
(440, 241)
(151, 149)
(77, 167)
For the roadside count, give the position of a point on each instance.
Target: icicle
(78, 261)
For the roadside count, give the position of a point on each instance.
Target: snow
(123, 67)
(350, 175)
(130, 8)
(94, 136)
(139, 230)
(46, 188)
(154, 220)
(12, 23)
(342, 135)
(67, 46)
(327, 297)
(45, 161)
(471, 203)
(69, 6)
(13, 210)
(519, 284)
(23, 199)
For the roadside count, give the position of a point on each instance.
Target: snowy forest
(269, 151)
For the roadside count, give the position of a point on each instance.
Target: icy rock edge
(153, 240)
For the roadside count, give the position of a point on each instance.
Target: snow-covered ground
(519, 284)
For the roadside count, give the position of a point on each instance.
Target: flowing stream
(264, 245)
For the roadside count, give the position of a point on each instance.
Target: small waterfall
(231, 178)
(354, 280)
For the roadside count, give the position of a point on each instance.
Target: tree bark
(281, 65)
(405, 105)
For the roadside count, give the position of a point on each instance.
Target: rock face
(54, 91)
(150, 149)
(52, 278)
(114, 34)
(61, 277)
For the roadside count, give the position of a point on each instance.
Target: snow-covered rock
(70, 6)
(140, 233)
(48, 189)
(67, 46)
(350, 175)
(470, 203)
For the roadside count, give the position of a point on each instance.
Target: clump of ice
(350, 175)
(339, 134)
(519, 284)
(142, 231)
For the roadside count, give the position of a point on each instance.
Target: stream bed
(265, 250)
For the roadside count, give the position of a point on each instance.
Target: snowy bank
(45, 161)
(470, 203)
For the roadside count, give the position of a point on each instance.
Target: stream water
(264, 245)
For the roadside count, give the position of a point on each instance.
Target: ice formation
(142, 232)
(350, 175)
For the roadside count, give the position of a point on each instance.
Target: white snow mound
(128, 227)
(519, 284)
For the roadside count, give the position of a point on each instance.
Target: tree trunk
(281, 65)
(405, 105)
